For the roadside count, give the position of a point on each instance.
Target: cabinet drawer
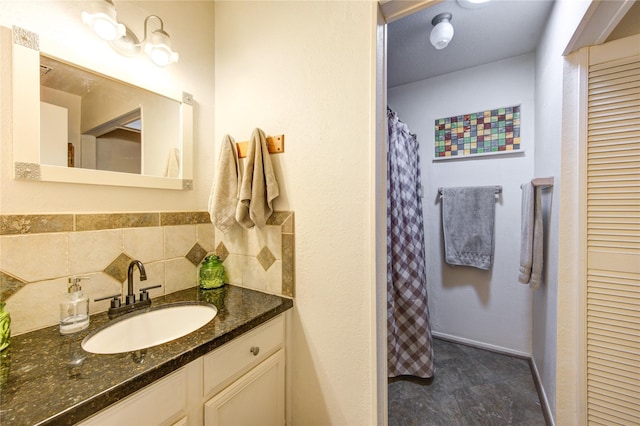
(236, 357)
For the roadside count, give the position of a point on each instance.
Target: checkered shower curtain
(409, 344)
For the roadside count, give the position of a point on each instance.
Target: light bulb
(441, 35)
(159, 49)
(442, 31)
(106, 29)
(103, 21)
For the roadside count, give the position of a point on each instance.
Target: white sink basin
(149, 328)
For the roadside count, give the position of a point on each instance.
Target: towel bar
(497, 187)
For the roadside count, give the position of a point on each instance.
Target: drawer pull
(255, 350)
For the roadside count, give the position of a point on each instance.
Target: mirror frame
(26, 136)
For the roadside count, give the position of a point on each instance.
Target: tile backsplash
(39, 253)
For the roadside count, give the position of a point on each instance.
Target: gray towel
(224, 194)
(531, 237)
(259, 186)
(468, 216)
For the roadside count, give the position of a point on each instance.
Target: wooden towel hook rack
(545, 182)
(275, 145)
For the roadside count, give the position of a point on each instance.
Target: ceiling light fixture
(442, 31)
(157, 45)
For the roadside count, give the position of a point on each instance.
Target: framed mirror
(94, 129)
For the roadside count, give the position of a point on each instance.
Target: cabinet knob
(255, 350)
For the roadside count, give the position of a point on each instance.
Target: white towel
(224, 191)
(173, 164)
(468, 217)
(531, 237)
(259, 186)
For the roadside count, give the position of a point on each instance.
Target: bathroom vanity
(231, 371)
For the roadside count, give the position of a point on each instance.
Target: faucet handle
(115, 302)
(144, 295)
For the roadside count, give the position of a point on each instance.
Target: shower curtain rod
(497, 187)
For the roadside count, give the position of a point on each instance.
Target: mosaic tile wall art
(487, 132)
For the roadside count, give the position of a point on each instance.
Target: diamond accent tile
(266, 258)
(222, 252)
(196, 254)
(118, 268)
(9, 285)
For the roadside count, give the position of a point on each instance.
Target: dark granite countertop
(48, 378)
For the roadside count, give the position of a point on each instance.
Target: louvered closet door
(613, 236)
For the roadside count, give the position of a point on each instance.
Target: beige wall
(305, 69)
(59, 25)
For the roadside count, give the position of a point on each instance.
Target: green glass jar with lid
(212, 273)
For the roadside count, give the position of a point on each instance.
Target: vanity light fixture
(157, 45)
(442, 31)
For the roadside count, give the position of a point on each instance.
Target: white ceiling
(500, 29)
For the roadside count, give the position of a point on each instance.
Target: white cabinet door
(257, 398)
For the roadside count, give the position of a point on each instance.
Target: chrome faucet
(131, 297)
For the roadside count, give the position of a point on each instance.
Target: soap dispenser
(74, 309)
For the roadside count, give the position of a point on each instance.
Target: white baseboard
(482, 345)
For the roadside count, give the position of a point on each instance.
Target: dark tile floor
(471, 387)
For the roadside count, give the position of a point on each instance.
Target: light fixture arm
(146, 20)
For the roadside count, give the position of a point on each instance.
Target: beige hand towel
(173, 164)
(538, 240)
(259, 186)
(224, 193)
(531, 237)
(526, 233)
